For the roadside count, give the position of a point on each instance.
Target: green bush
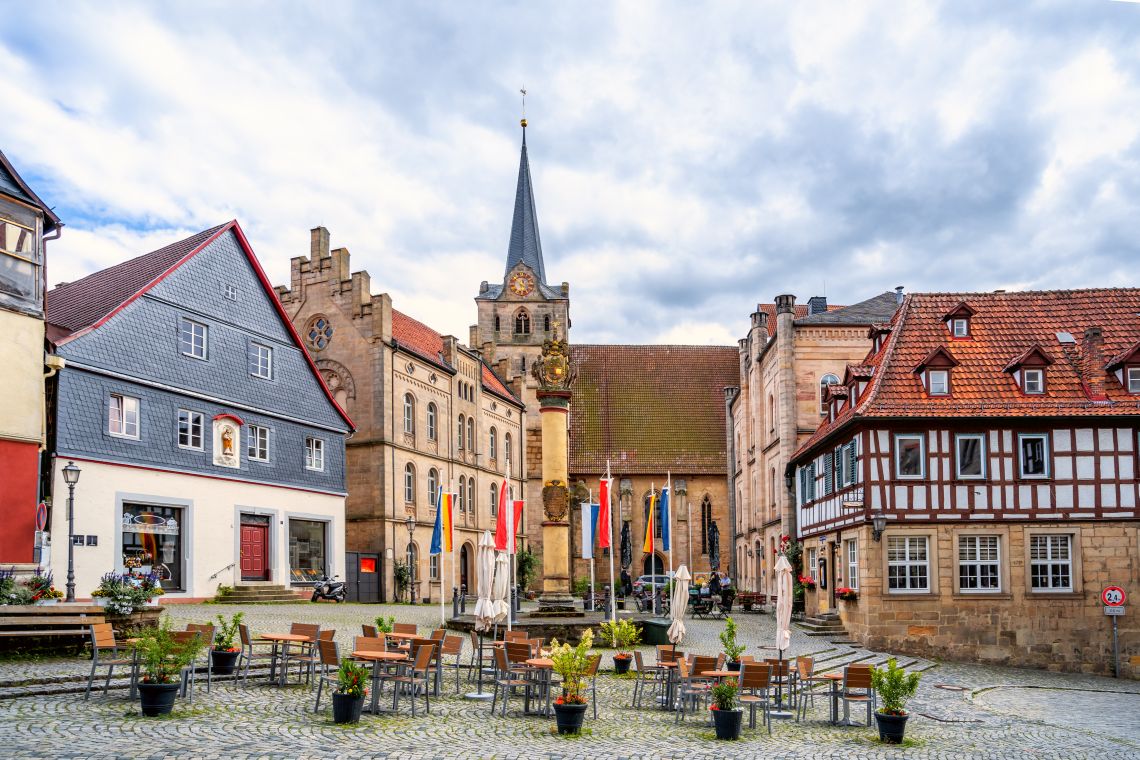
(227, 632)
(622, 634)
(350, 678)
(161, 657)
(895, 687)
(724, 695)
(385, 624)
(732, 650)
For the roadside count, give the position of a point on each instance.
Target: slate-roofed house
(24, 221)
(995, 438)
(209, 445)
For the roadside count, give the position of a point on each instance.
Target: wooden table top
(667, 664)
(832, 676)
(720, 673)
(402, 636)
(290, 637)
(381, 656)
(541, 662)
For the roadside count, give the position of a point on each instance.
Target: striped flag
(664, 507)
(503, 533)
(589, 528)
(649, 547)
(441, 535)
(604, 526)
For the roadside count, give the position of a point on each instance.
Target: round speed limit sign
(1113, 596)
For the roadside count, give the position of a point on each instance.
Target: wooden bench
(748, 600)
(42, 621)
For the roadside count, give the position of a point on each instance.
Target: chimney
(899, 295)
(786, 304)
(817, 305)
(318, 243)
(1092, 362)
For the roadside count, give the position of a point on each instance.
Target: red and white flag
(503, 532)
(604, 527)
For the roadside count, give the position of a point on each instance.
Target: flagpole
(452, 505)
(649, 529)
(669, 519)
(609, 539)
(510, 548)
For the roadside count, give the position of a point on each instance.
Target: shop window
(152, 536)
(307, 550)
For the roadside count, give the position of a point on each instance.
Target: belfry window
(522, 322)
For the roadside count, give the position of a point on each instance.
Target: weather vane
(523, 91)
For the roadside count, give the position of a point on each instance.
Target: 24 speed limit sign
(1113, 596)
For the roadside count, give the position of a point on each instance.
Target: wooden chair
(691, 686)
(438, 634)
(310, 660)
(249, 652)
(189, 672)
(505, 680)
(806, 679)
(592, 674)
(327, 657)
(105, 653)
(207, 631)
(478, 655)
(404, 628)
(535, 646)
(755, 682)
(668, 653)
(651, 676)
(453, 647)
(369, 631)
(304, 653)
(514, 636)
(413, 675)
(857, 688)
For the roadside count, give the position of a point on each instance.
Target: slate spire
(525, 245)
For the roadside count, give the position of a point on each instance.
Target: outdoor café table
(836, 679)
(720, 675)
(670, 680)
(544, 668)
(377, 658)
(282, 640)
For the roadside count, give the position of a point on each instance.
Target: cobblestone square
(961, 711)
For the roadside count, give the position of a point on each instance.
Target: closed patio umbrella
(501, 586)
(783, 611)
(484, 572)
(677, 604)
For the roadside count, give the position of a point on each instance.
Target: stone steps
(261, 594)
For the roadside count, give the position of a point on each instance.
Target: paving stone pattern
(988, 712)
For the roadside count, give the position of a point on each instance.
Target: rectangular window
(314, 454)
(910, 455)
(433, 566)
(1034, 451)
(261, 361)
(908, 565)
(1134, 379)
(1033, 381)
(961, 328)
(853, 564)
(307, 548)
(813, 564)
(152, 535)
(979, 568)
(807, 483)
(123, 417)
(848, 464)
(190, 429)
(192, 338)
(1051, 563)
(939, 380)
(971, 451)
(19, 264)
(258, 443)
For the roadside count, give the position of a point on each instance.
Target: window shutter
(828, 474)
(811, 481)
(852, 469)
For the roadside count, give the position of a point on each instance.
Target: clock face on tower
(521, 283)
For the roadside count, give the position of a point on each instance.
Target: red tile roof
(801, 311)
(650, 409)
(1004, 326)
(418, 338)
(493, 384)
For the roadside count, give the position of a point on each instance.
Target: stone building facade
(792, 351)
(993, 437)
(430, 414)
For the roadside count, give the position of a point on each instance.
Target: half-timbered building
(975, 479)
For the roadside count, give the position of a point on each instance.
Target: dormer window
(1028, 370)
(934, 371)
(1134, 379)
(958, 321)
(1033, 381)
(960, 328)
(938, 382)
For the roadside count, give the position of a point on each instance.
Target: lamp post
(410, 524)
(71, 477)
(878, 525)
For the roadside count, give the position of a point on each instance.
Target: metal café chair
(453, 647)
(328, 657)
(207, 631)
(857, 688)
(105, 653)
(249, 652)
(755, 684)
(505, 680)
(648, 676)
(189, 672)
(415, 674)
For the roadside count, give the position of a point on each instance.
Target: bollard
(514, 605)
(454, 602)
(463, 598)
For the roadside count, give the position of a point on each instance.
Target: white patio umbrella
(677, 604)
(484, 573)
(783, 611)
(500, 587)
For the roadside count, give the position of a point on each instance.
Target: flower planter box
(346, 708)
(157, 698)
(621, 664)
(891, 727)
(727, 723)
(569, 718)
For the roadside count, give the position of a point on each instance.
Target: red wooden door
(254, 552)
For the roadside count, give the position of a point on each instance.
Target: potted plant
(224, 654)
(726, 710)
(732, 650)
(348, 698)
(162, 659)
(846, 594)
(385, 624)
(895, 686)
(42, 589)
(571, 663)
(622, 635)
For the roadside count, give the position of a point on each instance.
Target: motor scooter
(329, 588)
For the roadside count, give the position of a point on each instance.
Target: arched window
(522, 322)
(546, 322)
(409, 413)
(771, 413)
(656, 517)
(496, 323)
(825, 381)
(462, 420)
(494, 443)
(461, 496)
(471, 432)
(431, 412)
(433, 487)
(706, 522)
(410, 483)
(471, 494)
(494, 500)
(507, 449)
(772, 488)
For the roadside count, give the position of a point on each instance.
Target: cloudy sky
(689, 160)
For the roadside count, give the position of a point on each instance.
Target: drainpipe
(730, 395)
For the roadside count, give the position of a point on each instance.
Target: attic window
(938, 382)
(1033, 381)
(960, 328)
(958, 321)
(1134, 379)
(231, 292)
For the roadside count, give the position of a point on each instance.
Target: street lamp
(71, 477)
(878, 525)
(410, 524)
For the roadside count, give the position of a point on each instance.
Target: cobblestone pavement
(961, 711)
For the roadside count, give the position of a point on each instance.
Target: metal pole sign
(1114, 598)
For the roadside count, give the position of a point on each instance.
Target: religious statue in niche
(227, 440)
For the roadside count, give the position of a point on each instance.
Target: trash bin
(655, 631)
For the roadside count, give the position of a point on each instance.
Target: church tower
(516, 315)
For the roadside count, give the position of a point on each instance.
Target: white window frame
(938, 382)
(409, 414)
(813, 563)
(433, 488)
(188, 338)
(821, 385)
(910, 545)
(120, 411)
(962, 323)
(1021, 437)
(970, 549)
(432, 416)
(462, 431)
(461, 497)
(852, 549)
(255, 438)
(409, 483)
(1132, 379)
(471, 494)
(494, 443)
(314, 454)
(958, 438)
(261, 361)
(231, 292)
(494, 500)
(192, 420)
(433, 567)
(1049, 560)
(921, 438)
(1039, 374)
(847, 461)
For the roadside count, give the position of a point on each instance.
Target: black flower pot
(346, 708)
(733, 665)
(621, 664)
(727, 723)
(157, 698)
(569, 718)
(891, 727)
(223, 662)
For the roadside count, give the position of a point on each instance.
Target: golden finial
(523, 120)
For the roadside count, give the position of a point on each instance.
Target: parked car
(643, 584)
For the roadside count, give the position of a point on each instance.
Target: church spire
(525, 245)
